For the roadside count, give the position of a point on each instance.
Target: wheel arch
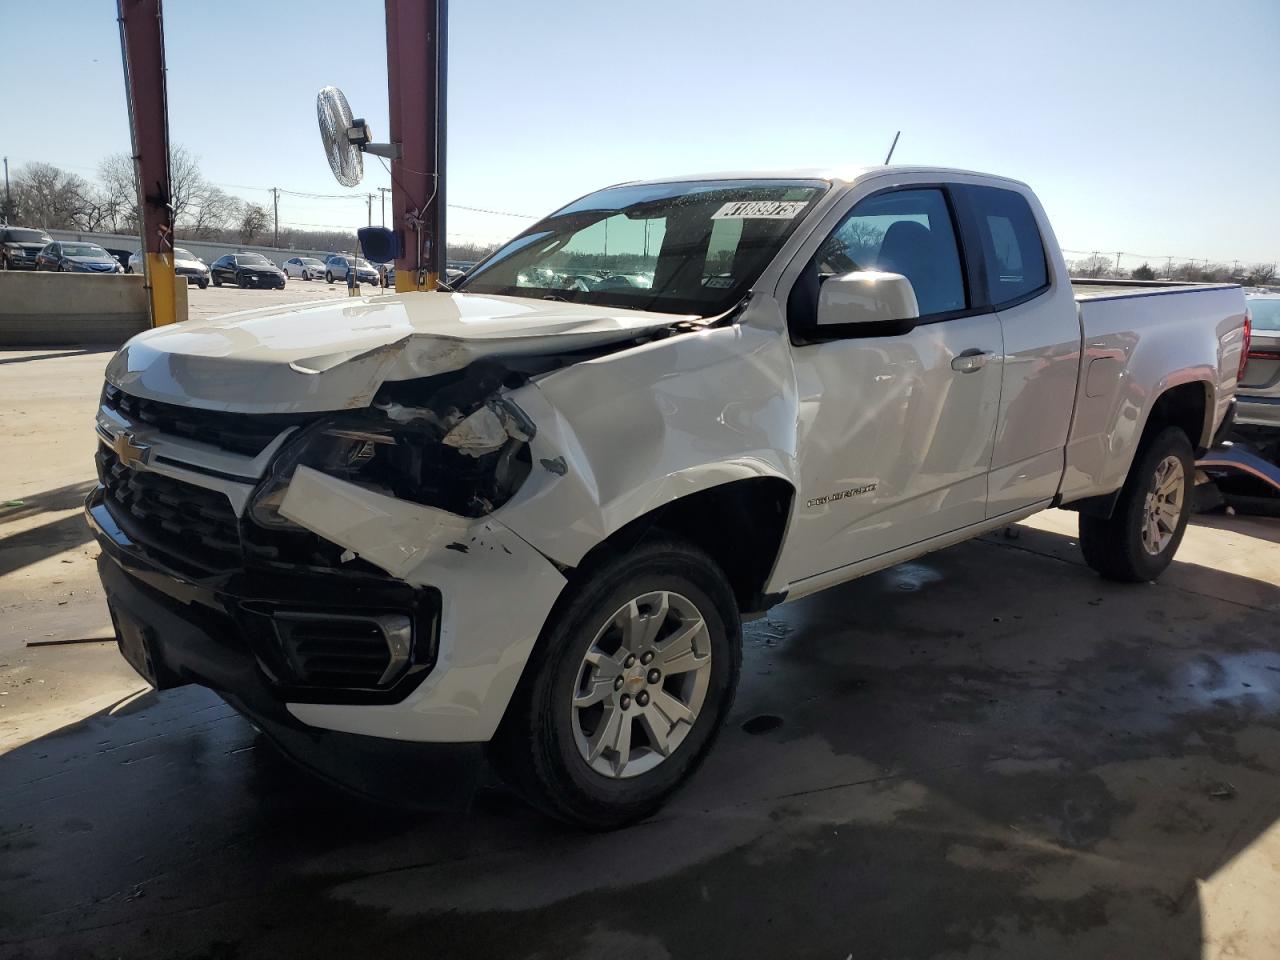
(1189, 406)
(740, 524)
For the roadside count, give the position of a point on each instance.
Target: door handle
(971, 361)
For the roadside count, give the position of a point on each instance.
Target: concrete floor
(988, 752)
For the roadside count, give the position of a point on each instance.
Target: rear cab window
(1013, 255)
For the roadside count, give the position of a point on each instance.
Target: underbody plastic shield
(497, 592)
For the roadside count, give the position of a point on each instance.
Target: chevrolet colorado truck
(524, 519)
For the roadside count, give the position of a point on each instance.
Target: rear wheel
(241, 282)
(630, 682)
(1138, 541)
(328, 275)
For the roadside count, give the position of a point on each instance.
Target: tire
(202, 284)
(1129, 546)
(241, 282)
(542, 746)
(328, 275)
(217, 281)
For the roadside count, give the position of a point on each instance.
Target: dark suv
(246, 270)
(19, 246)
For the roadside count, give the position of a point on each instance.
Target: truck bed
(1089, 289)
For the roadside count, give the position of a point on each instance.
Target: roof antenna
(893, 146)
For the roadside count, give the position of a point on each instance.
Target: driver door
(896, 432)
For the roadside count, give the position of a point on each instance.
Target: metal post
(417, 71)
(142, 51)
(382, 193)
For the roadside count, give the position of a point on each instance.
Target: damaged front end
(452, 443)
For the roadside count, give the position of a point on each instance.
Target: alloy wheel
(641, 684)
(1162, 509)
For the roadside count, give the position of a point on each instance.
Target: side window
(1012, 250)
(908, 232)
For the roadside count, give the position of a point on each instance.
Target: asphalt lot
(988, 752)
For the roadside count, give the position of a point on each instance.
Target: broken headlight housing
(468, 466)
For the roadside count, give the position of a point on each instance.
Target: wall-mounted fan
(346, 138)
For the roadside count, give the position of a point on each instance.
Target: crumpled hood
(334, 354)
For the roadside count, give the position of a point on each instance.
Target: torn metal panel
(393, 534)
(334, 355)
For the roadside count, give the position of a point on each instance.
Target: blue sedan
(75, 257)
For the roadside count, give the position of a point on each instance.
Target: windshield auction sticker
(760, 210)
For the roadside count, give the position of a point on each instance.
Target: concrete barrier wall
(68, 309)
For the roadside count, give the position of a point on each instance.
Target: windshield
(26, 236)
(693, 247)
(251, 258)
(82, 250)
(308, 261)
(180, 254)
(363, 265)
(1265, 313)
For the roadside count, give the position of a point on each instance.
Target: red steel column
(417, 73)
(142, 46)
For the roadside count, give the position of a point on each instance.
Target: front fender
(621, 435)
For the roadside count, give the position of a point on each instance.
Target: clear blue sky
(1145, 127)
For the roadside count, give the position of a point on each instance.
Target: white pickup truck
(525, 518)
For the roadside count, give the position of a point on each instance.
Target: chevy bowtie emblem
(131, 453)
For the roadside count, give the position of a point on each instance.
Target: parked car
(336, 266)
(1258, 400)
(185, 264)
(246, 270)
(304, 268)
(73, 256)
(121, 257)
(19, 247)
(530, 519)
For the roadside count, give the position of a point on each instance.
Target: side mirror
(867, 303)
(380, 244)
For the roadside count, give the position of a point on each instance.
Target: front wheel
(202, 284)
(1138, 541)
(328, 275)
(632, 678)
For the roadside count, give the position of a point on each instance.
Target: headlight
(468, 465)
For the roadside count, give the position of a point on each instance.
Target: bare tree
(49, 197)
(253, 221)
(120, 191)
(1094, 266)
(213, 212)
(1261, 274)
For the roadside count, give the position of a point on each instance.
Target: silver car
(304, 268)
(185, 264)
(1258, 396)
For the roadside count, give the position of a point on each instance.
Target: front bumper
(176, 630)
(251, 614)
(264, 280)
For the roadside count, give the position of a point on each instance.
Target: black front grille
(330, 650)
(180, 519)
(242, 433)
